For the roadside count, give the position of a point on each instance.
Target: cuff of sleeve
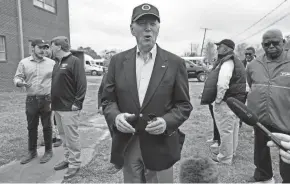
(78, 104)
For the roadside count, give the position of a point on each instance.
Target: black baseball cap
(227, 42)
(39, 43)
(144, 9)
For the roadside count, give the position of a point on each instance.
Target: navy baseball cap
(227, 42)
(144, 9)
(39, 43)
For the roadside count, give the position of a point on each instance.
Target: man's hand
(23, 84)
(122, 124)
(156, 127)
(74, 108)
(285, 141)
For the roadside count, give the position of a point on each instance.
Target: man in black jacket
(68, 92)
(145, 100)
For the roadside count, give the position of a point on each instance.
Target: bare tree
(240, 50)
(194, 49)
(259, 50)
(210, 52)
(89, 51)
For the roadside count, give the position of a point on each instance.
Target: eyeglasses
(248, 54)
(274, 43)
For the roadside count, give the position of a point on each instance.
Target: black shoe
(71, 172)
(46, 157)
(113, 169)
(60, 166)
(26, 159)
(57, 143)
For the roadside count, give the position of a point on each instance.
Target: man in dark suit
(145, 100)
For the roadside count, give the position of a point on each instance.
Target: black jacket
(101, 88)
(167, 97)
(237, 86)
(69, 84)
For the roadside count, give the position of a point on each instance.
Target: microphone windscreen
(242, 111)
(198, 170)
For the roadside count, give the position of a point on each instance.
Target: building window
(48, 5)
(2, 49)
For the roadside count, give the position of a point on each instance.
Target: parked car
(93, 69)
(89, 66)
(194, 70)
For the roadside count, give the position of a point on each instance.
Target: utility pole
(205, 29)
(190, 48)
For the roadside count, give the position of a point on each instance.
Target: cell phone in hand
(152, 117)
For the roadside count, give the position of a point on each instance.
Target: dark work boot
(57, 143)
(46, 157)
(27, 158)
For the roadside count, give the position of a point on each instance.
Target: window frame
(36, 4)
(5, 49)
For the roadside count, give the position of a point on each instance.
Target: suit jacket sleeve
(100, 91)
(109, 98)
(181, 100)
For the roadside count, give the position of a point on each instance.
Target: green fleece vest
(237, 86)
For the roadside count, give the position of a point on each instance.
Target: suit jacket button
(140, 115)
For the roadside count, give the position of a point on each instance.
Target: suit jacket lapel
(158, 72)
(130, 75)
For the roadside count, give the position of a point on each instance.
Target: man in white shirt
(227, 79)
(35, 74)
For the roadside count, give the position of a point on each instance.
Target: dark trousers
(38, 106)
(262, 158)
(216, 134)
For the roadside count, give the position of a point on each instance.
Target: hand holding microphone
(251, 119)
(285, 141)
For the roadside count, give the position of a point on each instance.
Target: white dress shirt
(144, 68)
(224, 78)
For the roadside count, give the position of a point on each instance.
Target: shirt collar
(153, 52)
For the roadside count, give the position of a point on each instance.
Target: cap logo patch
(146, 7)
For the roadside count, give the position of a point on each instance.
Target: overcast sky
(104, 24)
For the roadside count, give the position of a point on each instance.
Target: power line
(261, 18)
(281, 18)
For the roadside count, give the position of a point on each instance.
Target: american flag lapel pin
(163, 66)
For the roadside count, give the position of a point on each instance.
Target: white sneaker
(210, 141)
(215, 145)
(272, 180)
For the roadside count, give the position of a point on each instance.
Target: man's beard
(38, 55)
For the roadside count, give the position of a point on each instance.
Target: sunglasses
(248, 54)
(274, 43)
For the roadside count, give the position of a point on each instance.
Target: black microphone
(247, 116)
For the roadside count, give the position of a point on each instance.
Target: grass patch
(13, 126)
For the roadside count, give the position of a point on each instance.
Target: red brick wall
(37, 23)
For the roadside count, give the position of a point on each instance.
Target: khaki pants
(228, 126)
(67, 124)
(134, 170)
